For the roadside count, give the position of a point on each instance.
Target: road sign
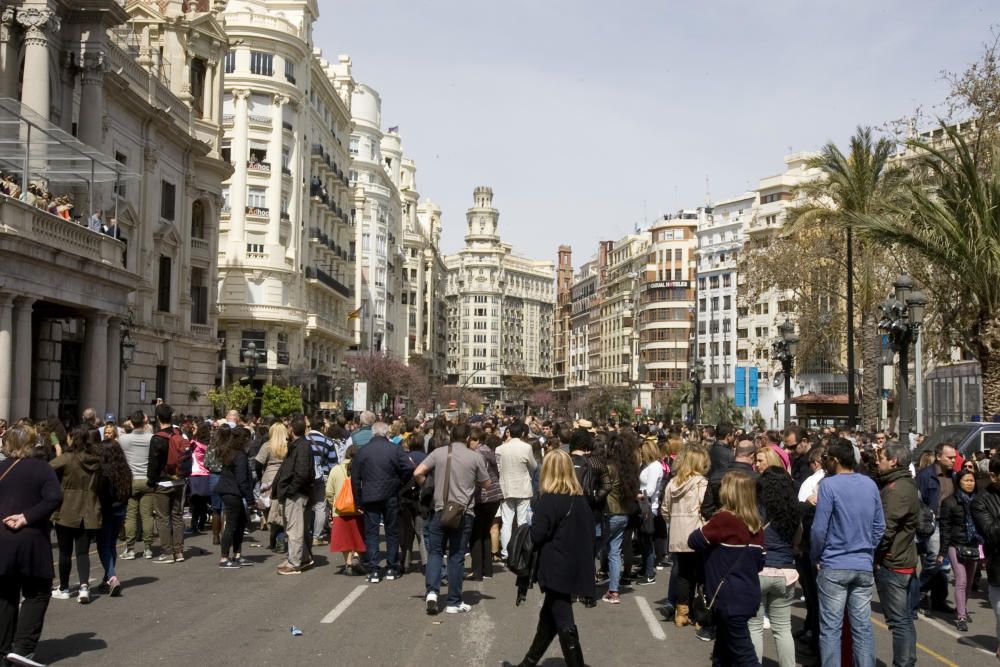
(452, 404)
(637, 411)
(614, 413)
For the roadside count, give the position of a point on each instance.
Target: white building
(286, 270)
(583, 298)
(424, 274)
(141, 90)
(500, 308)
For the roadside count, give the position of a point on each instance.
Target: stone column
(240, 152)
(114, 366)
(8, 54)
(94, 381)
(274, 156)
(21, 383)
(90, 129)
(6, 354)
(37, 24)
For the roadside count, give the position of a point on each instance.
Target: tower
(482, 218)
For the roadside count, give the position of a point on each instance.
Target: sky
(588, 118)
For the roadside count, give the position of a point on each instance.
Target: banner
(741, 387)
(360, 395)
(754, 379)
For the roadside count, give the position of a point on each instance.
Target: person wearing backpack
(594, 480)
(165, 475)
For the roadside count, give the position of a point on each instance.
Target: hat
(109, 417)
(586, 425)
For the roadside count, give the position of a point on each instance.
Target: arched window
(198, 220)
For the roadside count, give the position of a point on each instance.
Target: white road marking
(965, 640)
(344, 604)
(650, 618)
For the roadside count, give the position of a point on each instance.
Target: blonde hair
(770, 457)
(19, 442)
(558, 475)
(277, 441)
(693, 461)
(650, 451)
(738, 495)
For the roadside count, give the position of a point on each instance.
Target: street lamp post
(783, 349)
(250, 357)
(127, 355)
(696, 375)
(902, 316)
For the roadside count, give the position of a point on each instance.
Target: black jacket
(234, 480)
(296, 474)
(710, 503)
(951, 522)
(720, 456)
(901, 504)
(159, 447)
(379, 470)
(986, 515)
(31, 489)
(562, 530)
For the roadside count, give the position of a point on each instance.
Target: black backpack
(926, 522)
(586, 475)
(521, 552)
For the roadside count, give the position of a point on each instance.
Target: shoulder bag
(452, 513)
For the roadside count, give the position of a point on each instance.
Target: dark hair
(138, 419)
(84, 438)
(476, 433)
(897, 452)
(298, 426)
(115, 471)
(779, 501)
(817, 453)
(227, 449)
(939, 448)
(581, 439)
(796, 430)
(622, 450)
(723, 431)
(350, 452)
(517, 429)
(963, 473)
(203, 433)
(493, 441)
(460, 432)
(995, 465)
(164, 413)
(710, 430)
(843, 451)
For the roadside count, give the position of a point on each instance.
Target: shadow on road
(70, 646)
(137, 581)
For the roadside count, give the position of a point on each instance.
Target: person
(765, 458)
(782, 533)
(682, 511)
(29, 493)
(457, 471)
(139, 512)
(269, 458)
(896, 554)
(622, 507)
(379, 471)
(199, 482)
(236, 492)
(346, 530)
(364, 434)
(114, 492)
(411, 513)
(961, 538)
(486, 508)
(848, 525)
(593, 477)
(324, 457)
(516, 464)
(742, 460)
(168, 499)
(79, 516)
(935, 484)
(292, 486)
(733, 546)
(562, 533)
(986, 517)
(650, 476)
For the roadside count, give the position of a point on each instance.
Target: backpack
(587, 478)
(344, 503)
(521, 552)
(926, 522)
(180, 454)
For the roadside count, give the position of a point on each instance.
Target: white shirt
(516, 461)
(649, 479)
(808, 486)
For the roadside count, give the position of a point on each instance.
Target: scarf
(972, 535)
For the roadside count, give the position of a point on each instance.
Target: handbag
(452, 512)
(968, 553)
(344, 502)
(646, 525)
(702, 609)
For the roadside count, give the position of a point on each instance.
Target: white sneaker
(26, 660)
(460, 608)
(83, 597)
(432, 603)
(60, 594)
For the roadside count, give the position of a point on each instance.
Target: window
(120, 185)
(255, 248)
(289, 71)
(198, 71)
(282, 348)
(163, 285)
(197, 220)
(726, 279)
(168, 200)
(353, 150)
(161, 382)
(727, 302)
(259, 340)
(199, 296)
(261, 63)
(678, 254)
(230, 62)
(257, 198)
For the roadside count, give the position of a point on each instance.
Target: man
(816, 472)
(140, 504)
(849, 524)
(896, 554)
(935, 484)
(361, 436)
(233, 418)
(292, 486)
(89, 418)
(986, 516)
(168, 488)
(808, 493)
(96, 221)
(378, 472)
(324, 458)
(466, 471)
(516, 462)
(774, 441)
(742, 460)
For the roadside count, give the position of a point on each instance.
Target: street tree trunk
(871, 359)
(989, 363)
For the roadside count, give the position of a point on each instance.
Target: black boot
(569, 639)
(544, 635)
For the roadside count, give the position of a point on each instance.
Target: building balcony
(259, 120)
(200, 249)
(321, 276)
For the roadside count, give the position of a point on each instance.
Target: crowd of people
(745, 522)
(61, 206)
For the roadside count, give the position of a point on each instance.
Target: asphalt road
(193, 613)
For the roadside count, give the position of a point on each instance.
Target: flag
(394, 128)
(354, 314)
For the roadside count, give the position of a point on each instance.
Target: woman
(649, 485)
(235, 490)
(562, 531)
(732, 544)
(110, 432)
(959, 535)
(622, 505)
(767, 458)
(493, 441)
(199, 482)
(779, 507)
(220, 441)
(487, 503)
(682, 511)
(114, 493)
(411, 524)
(269, 458)
(347, 534)
(79, 516)
(29, 494)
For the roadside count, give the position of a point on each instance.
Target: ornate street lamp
(696, 375)
(127, 348)
(250, 357)
(783, 349)
(902, 316)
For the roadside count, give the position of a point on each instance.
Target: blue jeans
(107, 538)
(648, 554)
(850, 589)
(900, 595)
(382, 512)
(457, 541)
(616, 532)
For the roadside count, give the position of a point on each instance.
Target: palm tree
(864, 182)
(951, 221)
